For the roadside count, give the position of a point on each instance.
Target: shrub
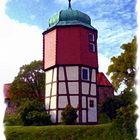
(103, 118)
(69, 115)
(110, 107)
(33, 113)
(125, 120)
(11, 120)
(38, 118)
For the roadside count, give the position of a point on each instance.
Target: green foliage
(128, 98)
(122, 69)
(111, 105)
(125, 120)
(12, 120)
(33, 113)
(69, 115)
(29, 83)
(66, 132)
(103, 118)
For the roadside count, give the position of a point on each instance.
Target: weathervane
(69, 3)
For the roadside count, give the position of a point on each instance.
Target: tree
(122, 69)
(125, 120)
(29, 83)
(69, 115)
(32, 112)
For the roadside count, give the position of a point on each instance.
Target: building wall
(70, 88)
(87, 57)
(104, 93)
(73, 46)
(69, 45)
(49, 51)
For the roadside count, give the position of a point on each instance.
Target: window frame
(91, 37)
(82, 74)
(93, 48)
(91, 103)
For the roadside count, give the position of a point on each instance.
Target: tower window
(85, 74)
(92, 47)
(91, 103)
(91, 37)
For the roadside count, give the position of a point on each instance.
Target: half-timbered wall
(65, 85)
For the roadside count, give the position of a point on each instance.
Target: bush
(103, 118)
(38, 118)
(69, 115)
(11, 120)
(126, 119)
(33, 113)
(110, 107)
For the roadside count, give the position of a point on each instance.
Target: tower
(71, 65)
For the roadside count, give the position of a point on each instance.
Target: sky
(23, 21)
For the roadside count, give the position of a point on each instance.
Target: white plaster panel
(61, 73)
(77, 120)
(84, 116)
(53, 103)
(54, 89)
(53, 116)
(93, 89)
(48, 76)
(92, 111)
(74, 101)
(47, 101)
(47, 90)
(55, 75)
(59, 116)
(73, 87)
(62, 88)
(83, 102)
(85, 88)
(62, 101)
(93, 75)
(72, 73)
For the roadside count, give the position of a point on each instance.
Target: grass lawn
(63, 132)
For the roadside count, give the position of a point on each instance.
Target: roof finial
(69, 3)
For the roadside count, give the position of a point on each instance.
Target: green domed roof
(70, 17)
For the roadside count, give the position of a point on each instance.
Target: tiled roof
(102, 80)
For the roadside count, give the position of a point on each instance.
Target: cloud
(19, 44)
(104, 62)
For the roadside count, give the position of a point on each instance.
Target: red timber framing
(74, 99)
